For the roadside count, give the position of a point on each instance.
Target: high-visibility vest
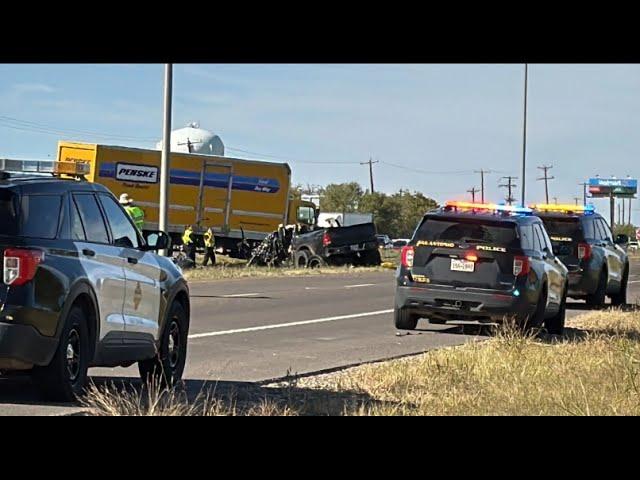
(209, 239)
(137, 215)
(186, 237)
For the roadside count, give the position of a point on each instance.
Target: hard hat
(125, 200)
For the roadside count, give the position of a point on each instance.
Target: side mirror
(157, 240)
(622, 239)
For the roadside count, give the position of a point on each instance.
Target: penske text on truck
(233, 196)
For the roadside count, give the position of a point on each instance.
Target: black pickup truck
(355, 245)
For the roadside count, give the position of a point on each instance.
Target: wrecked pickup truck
(354, 245)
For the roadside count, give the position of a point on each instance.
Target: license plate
(462, 266)
(355, 248)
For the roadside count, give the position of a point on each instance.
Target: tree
(341, 197)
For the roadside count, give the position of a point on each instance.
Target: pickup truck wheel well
(183, 299)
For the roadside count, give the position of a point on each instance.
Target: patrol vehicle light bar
(565, 208)
(44, 166)
(489, 207)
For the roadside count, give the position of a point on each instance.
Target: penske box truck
(237, 198)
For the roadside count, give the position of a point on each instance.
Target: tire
(404, 320)
(301, 259)
(620, 298)
(528, 324)
(555, 324)
(316, 262)
(65, 378)
(597, 299)
(372, 258)
(167, 367)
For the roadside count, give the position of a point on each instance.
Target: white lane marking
(291, 324)
(635, 281)
(241, 295)
(361, 285)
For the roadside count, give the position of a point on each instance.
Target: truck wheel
(167, 366)
(620, 298)
(316, 262)
(372, 258)
(404, 320)
(555, 324)
(597, 299)
(65, 378)
(301, 259)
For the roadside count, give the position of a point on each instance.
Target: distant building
(193, 139)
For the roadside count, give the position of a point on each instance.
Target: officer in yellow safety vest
(188, 242)
(209, 247)
(135, 212)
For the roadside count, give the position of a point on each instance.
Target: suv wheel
(620, 298)
(597, 299)
(532, 322)
(65, 378)
(555, 324)
(404, 320)
(167, 366)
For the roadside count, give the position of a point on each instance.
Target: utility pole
(630, 211)
(473, 192)
(370, 163)
(524, 135)
(166, 152)
(619, 214)
(624, 211)
(577, 199)
(510, 186)
(546, 179)
(584, 192)
(555, 200)
(482, 172)
(612, 209)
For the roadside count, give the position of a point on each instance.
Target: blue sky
(439, 122)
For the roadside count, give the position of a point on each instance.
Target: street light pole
(524, 137)
(163, 212)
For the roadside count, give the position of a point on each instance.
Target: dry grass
(593, 370)
(229, 268)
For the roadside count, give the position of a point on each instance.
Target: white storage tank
(193, 139)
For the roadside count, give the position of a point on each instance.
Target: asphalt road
(254, 330)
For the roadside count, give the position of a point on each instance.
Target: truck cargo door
(214, 197)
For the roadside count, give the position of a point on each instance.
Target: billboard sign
(619, 187)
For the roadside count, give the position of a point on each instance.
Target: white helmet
(125, 200)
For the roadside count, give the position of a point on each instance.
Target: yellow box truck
(233, 196)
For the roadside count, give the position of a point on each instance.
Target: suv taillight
(407, 256)
(20, 265)
(584, 251)
(326, 239)
(521, 266)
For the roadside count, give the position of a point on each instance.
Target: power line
(473, 192)
(510, 186)
(546, 179)
(482, 173)
(417, 170)
(370, 163)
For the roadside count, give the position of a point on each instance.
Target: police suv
(481, 263)
(81, 287)
(598, 265)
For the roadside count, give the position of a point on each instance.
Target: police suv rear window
(473, 231)
(34, 216)
(563, 229)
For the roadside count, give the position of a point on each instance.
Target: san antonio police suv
(598, 265)
(481, 263)
(81, 287)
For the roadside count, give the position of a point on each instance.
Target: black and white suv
(482, 263)
(82, 288)
(598, 265)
